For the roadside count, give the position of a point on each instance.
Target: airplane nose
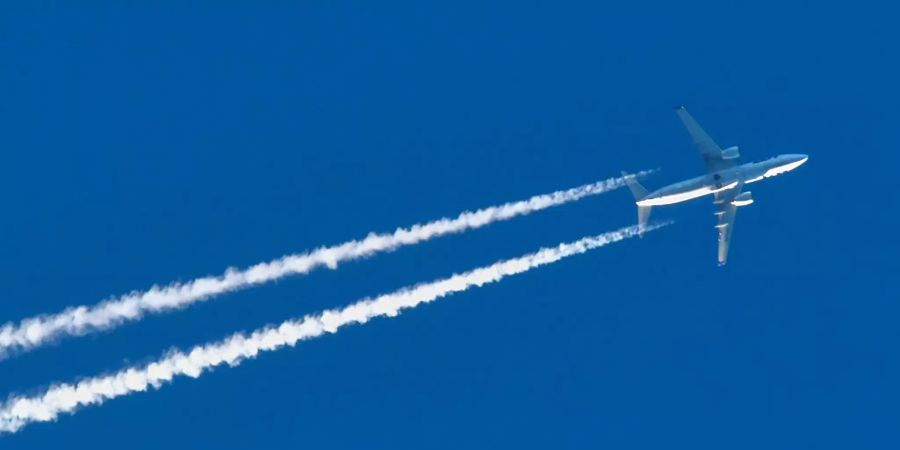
(798, 158)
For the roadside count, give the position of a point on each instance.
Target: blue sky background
(147, 144)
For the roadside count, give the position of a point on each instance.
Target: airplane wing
(726, 212)
(711, 152)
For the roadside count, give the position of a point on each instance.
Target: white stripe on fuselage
(683, 196)
(768, 168)
(776, 170)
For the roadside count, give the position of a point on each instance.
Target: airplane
(725, 180)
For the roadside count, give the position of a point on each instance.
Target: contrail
(37, 331)
(67, 398)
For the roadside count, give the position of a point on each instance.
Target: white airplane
(725, 179)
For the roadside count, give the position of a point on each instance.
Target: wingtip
(679, 107)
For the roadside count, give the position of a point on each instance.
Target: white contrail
(66, 398)
(36, 331)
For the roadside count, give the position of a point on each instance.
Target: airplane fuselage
(722, 180)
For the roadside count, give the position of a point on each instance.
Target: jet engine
(743, 199)
(731, 153)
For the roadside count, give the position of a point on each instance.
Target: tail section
(636, 189)
(639, 193)
(643, 217)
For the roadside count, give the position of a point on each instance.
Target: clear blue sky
(147, 144)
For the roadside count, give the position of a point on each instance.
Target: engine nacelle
(743, 199)
(731, 153)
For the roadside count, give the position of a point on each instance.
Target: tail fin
(639, 193)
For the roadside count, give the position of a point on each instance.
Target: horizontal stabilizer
(636, 189)
(639, 192)
(643, 217)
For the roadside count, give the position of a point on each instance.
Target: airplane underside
(725, 182)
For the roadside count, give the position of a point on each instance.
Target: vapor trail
(40, 330)
(66, 398)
